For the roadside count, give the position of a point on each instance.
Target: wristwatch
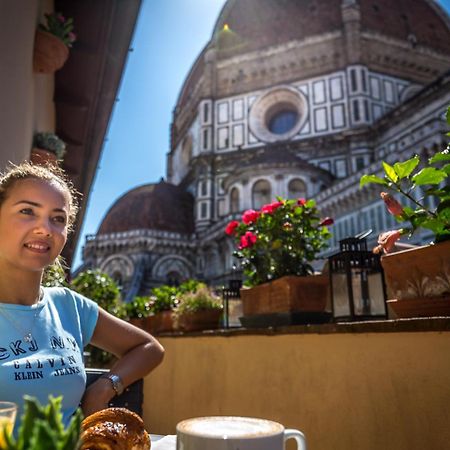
(116, 382)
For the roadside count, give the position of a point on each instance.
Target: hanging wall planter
(50, 53)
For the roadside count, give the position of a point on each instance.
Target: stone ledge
(426, 324)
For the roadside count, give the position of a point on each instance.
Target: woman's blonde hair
(49, 173)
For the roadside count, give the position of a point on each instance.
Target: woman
(43, 330)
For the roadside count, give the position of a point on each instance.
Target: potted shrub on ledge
(276, 247)
(198, 310)
(48, 148)
(417, 279)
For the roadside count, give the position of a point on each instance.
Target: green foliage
(60, 27)
(97, 286)
(50, 142)
(138, 308)
(101, 288)
(55, 275)
(200, 299)
(408, 177)
(283, 239)
(42, 428)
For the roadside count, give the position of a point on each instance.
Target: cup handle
(298, 436)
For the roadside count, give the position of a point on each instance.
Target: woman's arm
(138, 354)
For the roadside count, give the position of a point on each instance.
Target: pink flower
(387, 240)
(72, 37)
(271, 207)
(250, 216)
(231, 227)
(247, 240)
(327, 221)
(61, 18)
(301, 202)
(392, 205)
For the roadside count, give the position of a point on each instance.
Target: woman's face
(33, 224)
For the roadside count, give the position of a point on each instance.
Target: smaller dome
(159, 206)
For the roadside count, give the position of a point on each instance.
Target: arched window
(261, 194)
(234, 200)
(296, 189)
(173, 278)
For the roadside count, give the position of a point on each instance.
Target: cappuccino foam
(229, 427)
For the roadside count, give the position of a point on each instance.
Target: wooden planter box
(418, 280)
(287, 294)
(206, 319)
(160, 322)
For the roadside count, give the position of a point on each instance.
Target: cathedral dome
(262, 23)
(158, 206)
(250, 26)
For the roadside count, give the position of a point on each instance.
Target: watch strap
(116, 382)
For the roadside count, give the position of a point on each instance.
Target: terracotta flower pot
(42, 157)
(205, 319)
(287, 294)
(418, 280)
(50, 53)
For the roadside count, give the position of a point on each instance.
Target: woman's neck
(23, 289)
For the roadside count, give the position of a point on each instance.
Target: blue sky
(168, 38)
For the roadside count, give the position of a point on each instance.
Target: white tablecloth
(165, 443)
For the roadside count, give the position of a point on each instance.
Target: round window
(282, 121)
(278, 114)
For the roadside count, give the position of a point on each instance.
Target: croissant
(114, 429)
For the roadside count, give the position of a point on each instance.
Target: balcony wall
(363, 386)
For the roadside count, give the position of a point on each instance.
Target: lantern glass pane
(360, 302)
(341, 303)
(377, 305)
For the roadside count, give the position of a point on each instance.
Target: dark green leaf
(365, 179)
(404, 169)
(429, 175)
(390, 172)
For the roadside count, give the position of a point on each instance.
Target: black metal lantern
(357, 282)
(232, 304)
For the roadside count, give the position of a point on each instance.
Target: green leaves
(429, 175)
(366, 179)
(404, 169)
(42, 428)
(410, 179)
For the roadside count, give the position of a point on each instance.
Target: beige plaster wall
(26, 99)
(354, 391)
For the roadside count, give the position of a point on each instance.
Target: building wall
(26, 98)
(365, 391)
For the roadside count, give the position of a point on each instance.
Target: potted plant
(137, 311)
(47, 148)
(52, 42)
(276, 247)
(417, 279)
(198, 310)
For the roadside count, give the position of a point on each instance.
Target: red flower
(301, 202)
(250, 216)
(271, 207)
(387, 241)
(247, 240)
(392, 205)
(231, 227)
(327, 221)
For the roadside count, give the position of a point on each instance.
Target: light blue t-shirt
(61, 324)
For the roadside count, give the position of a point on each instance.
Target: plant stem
(406, 194)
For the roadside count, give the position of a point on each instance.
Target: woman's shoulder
(64, 294)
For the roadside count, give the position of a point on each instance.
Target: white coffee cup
(235, 433)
